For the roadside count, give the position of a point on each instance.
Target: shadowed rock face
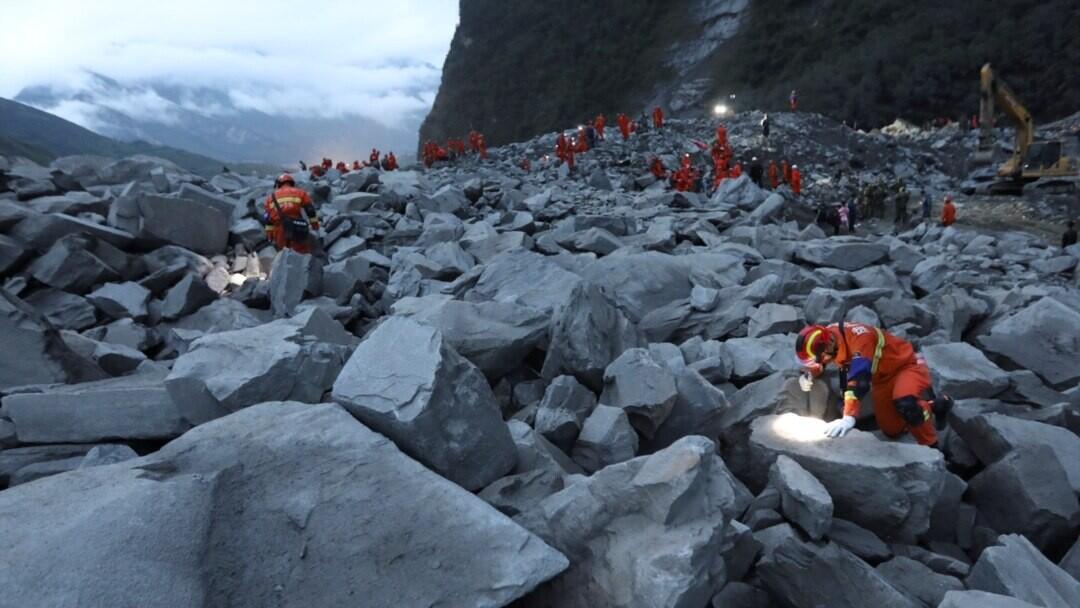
(296, 492)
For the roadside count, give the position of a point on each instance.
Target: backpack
(296, 229)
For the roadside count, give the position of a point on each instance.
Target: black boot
(942, 406)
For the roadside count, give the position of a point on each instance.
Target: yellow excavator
(1030, 160)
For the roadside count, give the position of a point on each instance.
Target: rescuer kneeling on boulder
(874, 362)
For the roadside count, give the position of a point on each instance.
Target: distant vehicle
(1030, 160)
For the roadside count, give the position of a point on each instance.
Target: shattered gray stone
(298, 359)
(962, 371)
(645, 389)
(1014, 567)
(774, 319)
(563, 411)
(804, 500)
(845, 253)
(189, 223)
(606, 438)
(33, 353)
(1043, 337)
(981, 599)
(918, 582)
(292, 277)
(859, 541)
(274, 501)
(122, 300)
(407, 382)
(186, 297)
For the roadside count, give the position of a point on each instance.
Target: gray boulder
(69, 266)
(563, 411)
(647, 532)
(963, 371)
(515, 494)
(275, 487)
(1043, 337)
(189, 223)
(889, 488)
(494, 336)
(606, 438)
(845, 253)
(122, 300)
(803, 499)
(641, 386)
(12, 254)
(642, 282)
(1014, 567)
(806, 574)
(406, 381)
(917, 581)
(587, 333)
(774, 319)
(825, 305)
(524, 277)
(859, 541)
(63, 310)
(981, 599)
(992, 436)
(697, 411)
(292, 276)
(755, 358)
(129, 408)
(534, 452)
(295, 359)
(186, 297)
(31, 352)
(1027, 492)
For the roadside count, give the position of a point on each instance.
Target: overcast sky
(330, 58)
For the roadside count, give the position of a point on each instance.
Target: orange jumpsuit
(796, 182)
(721, 135)
(895, 372)
(736, 171)
(374, 158)
(294, 203)
(657, 169)
(948, 214)
(624, 126)
(774, 175)
(785, 169)
(658, 117)
(599, 125)
(391, 162)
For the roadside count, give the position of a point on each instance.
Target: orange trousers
(910, 381)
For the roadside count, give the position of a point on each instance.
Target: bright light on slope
(720, 109)
(799, 428)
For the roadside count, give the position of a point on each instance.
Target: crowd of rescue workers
(870, 361)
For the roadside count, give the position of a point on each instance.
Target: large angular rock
(292, 276)
(406, 381)
(562, 413)
(981, 599)
(638, 384)
(494, 336)
(186, 297)
(534, 452)
(524, 277)
(992, 436)
(845, 253)
(1028, 492)
(1014, 567)
(1044, 337)
(189, 223)
(821, 574)
(887, 487)
(859, 541)
(606, 438)
(963, 371)
(917, 581)
(129, 408)
(587, 333)
(830, 305)
(12, 254)
(63, 310)
(759, 357)
(277, 489)
(774, 319)
(803, 499)
(121, 300)
(697, 411)
(515, 494)
(39, 231)
(31, 352)
(642, 282)
(647, 532)
(69, 266)
(295, 359)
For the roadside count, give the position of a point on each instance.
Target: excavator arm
(993, 92)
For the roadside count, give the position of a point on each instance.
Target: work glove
(839, 428)
(806, 382)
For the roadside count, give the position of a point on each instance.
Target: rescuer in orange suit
(658, 117)
(624, 125)
(785, 170)
(657, 168)
(721, 135)
(599, 124)
(356, 166)
(481, 146)
(774, 175)
(796, 180)
(948, 212)
(342, 167)
(736, 171)
(391, 162)
(373, 159)
(289, 204)
(875, 362)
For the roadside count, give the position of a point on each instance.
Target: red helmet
(285, 178)
(811, 345)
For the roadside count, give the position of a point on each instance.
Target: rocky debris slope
(505, 387)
